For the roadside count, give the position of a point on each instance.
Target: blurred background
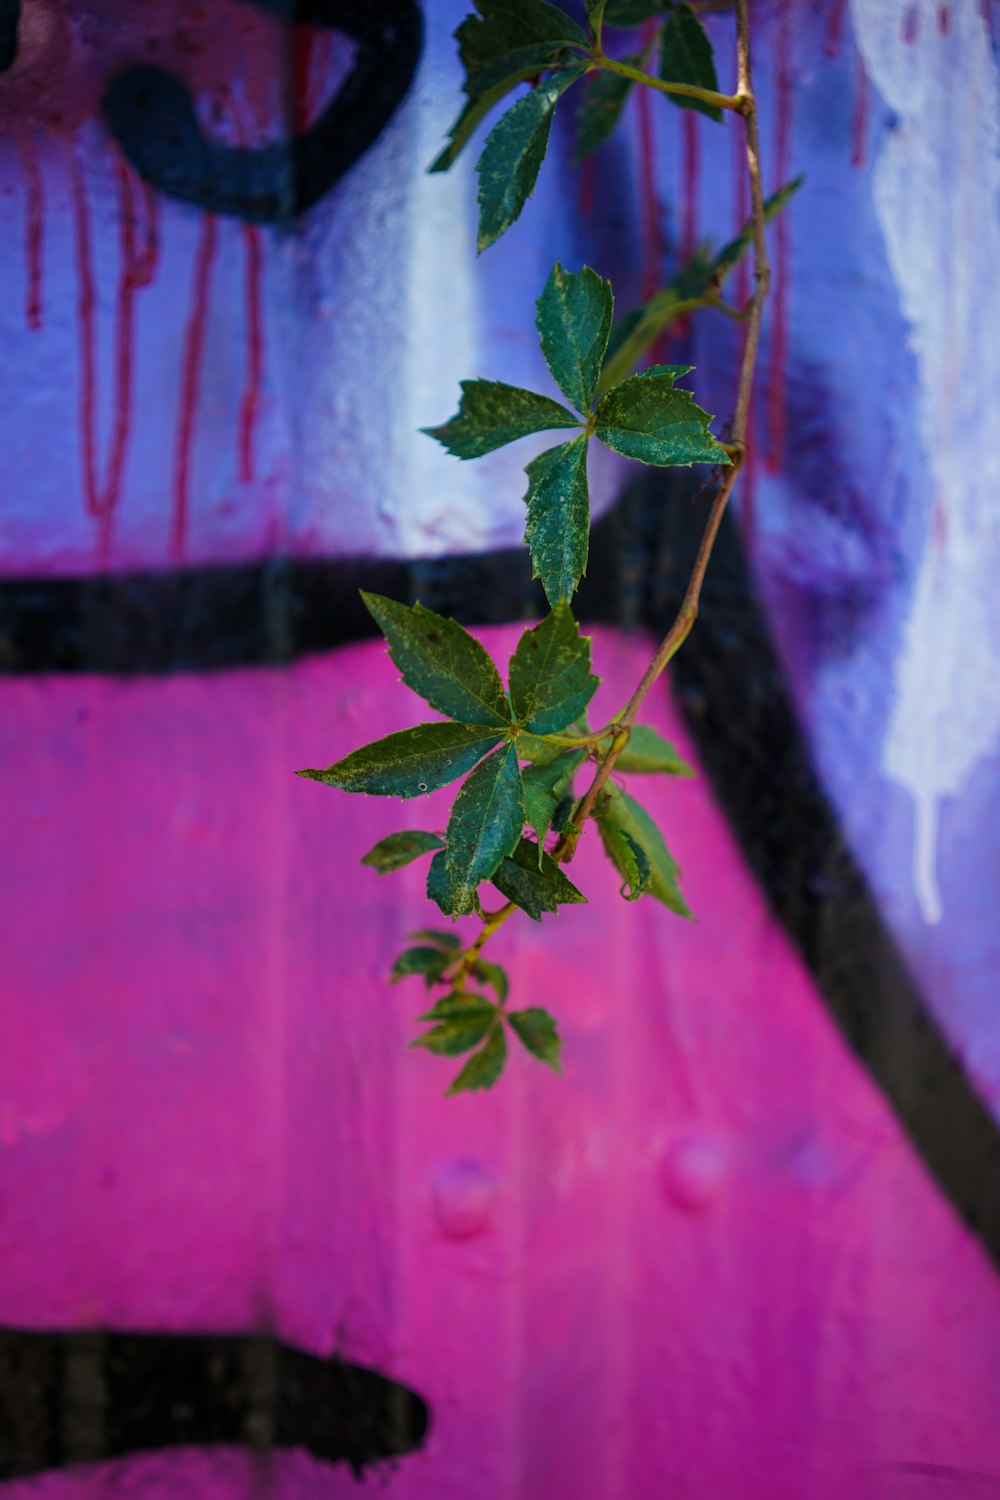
(748, 1245)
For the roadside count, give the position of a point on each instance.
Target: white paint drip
(936, 187)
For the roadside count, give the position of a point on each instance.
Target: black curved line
(85, 1397)
(732, 691)
(10, 17)
(151, 115)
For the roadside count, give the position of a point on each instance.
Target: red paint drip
(588, 185)
(34, 235)
(194, 343)
(250, 404)
(943, 20)
(136, 270)
(651, 212)
(690, 138)
(835, 28)
(302, 47)
(778, 373)
(859, 118)
(910, 29)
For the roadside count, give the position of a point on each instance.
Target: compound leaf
(399, 849)
(550, 678)
(573, 318)
(545, 786)
(410, 763)
(644, 417)
(536, 1030)
(686, 57)
(514, 151)
(491, 414)
(441, 661)
(484, 1067)
(486, 819)
(558, 526)
(494, 42)
(622, 815)
(429, 963)
(535, 884)
(648, 752)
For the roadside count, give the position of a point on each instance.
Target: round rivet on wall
(694, 1169)
(463, 1194)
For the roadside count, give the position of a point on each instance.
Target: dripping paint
(250, 403)
(194, 343)
(34, 234)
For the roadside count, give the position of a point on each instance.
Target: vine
(518, 815)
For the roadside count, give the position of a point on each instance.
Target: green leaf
(536, 1030)
(441, 939)
(441, 661)
(530, 62)
(460, 1006)
(484, 1067)
(430, 963)
(514, 151)
(628, 13)
(450, 1038)
(495, 42)
(485, 822)
(535, 884)
(622, 815)
(646, 418)
(648, 752)
(634, 866)
(604, 97)
(563, 812)
(731, 253)
(545, 786)
(493, 975)
(439, 885)
(539, 752)
(399, 849)
(558, 527)
(410, 763)
(491, 414)
(686, 57)
(550, 678)
(573, 319)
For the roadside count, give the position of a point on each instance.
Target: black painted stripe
(86, 1397)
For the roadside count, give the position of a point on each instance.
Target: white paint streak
(936, 187)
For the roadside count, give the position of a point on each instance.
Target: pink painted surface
(705, 1262)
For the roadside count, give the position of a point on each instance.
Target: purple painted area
(705, 1258)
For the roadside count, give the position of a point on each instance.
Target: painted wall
(748, 1245)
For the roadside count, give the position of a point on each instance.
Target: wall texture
(748, 1245)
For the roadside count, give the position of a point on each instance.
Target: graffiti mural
(748, 1245)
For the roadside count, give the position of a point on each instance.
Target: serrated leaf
(628, 13)
(439, 885)
(731, 253)
(410, 763)
(573, 318)
(450, 1038)
(622, 814)
(563, 812)
(633, 865)
(493, 975)
(686, 57)
(558, 526)
(524, 64)
(492, 414)
(604, 97)
(544, 788)
(459, 1006)
(484, 1067)
(399, 849)
(536, 1030)
(646, 418)
(648, 753)
(535, 884)
(428, 963)
(441, 661)
(514, 151)
(441, 939)
(550, 678)
(486, 819)
(493, 42)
